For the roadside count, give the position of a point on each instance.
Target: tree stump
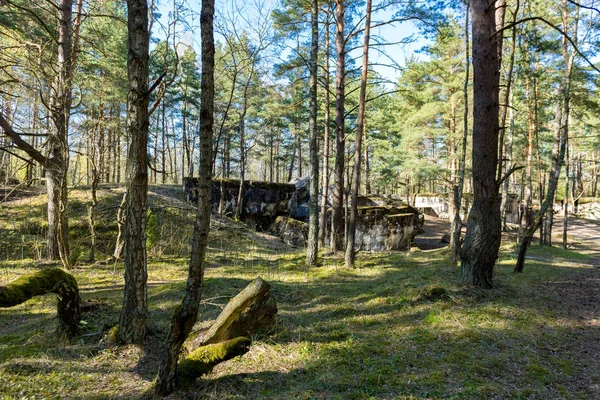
(252, 309)
(50, 280)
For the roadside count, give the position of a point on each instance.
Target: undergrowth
(400, 325)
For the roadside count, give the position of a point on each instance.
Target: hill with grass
(398, 326)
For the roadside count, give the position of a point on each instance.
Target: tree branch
(556, 28)
(20, 143)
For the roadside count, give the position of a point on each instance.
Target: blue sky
(396, 54)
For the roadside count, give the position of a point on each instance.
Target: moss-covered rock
(291, 231)
(49, 280)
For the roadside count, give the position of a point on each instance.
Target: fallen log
(252, 309)
(204, 358)
(49, 280)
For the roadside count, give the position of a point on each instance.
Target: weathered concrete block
(262, 201)
(291, 231)
(387, 227)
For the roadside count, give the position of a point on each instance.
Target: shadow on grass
(358, 334)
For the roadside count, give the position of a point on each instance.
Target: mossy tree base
(50, 280)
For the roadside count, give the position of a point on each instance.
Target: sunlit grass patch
(399, 325)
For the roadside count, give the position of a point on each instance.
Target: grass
(374, 332)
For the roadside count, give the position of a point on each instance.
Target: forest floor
(374, 332)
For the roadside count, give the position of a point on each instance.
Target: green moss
(291, 222)
(49, 280)
(36, 284)
(433, 293)
(113, 334)
(204, 358)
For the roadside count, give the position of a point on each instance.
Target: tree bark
(186, 314)
(312, 246)
(326, 141)
(337, 209)
(50, 280)
(561, 132)
(57, 244)
(132, 322)
(566, 200)
(351, 234)
(120, 243)
(482, 240)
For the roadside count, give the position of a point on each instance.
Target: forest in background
(280, 95)
(413, 127)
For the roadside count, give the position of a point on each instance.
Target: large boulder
(291, 231)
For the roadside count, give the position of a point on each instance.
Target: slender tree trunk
(57, 162)
(97, 147)
(313, 205)
(271, 155)
(482, 240)
(118, 150)
(457, 191)
(367, 166)
(351, 236)
(337, 209)
(326, 141)
(561, 133)
(240, 199)
(186, 314)
(291, 169)
(508, 95)
(532, 128)
(509, 155)
(298, 137)
(132, 322)
(566, 201)
(164, 145)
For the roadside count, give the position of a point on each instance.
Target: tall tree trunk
(351, 234)
(57, 244)
(506, 185)
(337, 209)
(299, 138)
(132, 322)
(566, 200)
(96, 148)
(561, 132)
(531, 132)
(457, 190)
(118, 148)
(240, 199)
(186, 314)
(508, 95)
(164, 144)
(326, 141)
(367, 166)
(313, 204)
(482, 240)
(291, 169)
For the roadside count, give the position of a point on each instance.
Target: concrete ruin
(262, 202)
(384, 222)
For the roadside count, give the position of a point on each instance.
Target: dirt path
(434, 229)
(577, 303)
